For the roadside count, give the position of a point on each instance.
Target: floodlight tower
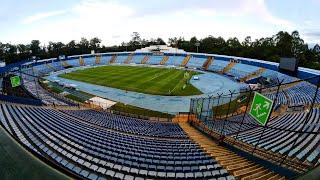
(197, 44)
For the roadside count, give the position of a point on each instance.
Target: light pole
(197, 44)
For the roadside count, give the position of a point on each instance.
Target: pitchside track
(149, 80)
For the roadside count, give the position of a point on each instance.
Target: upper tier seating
(128, 124)
(241, 70)
(137, 59)
(196, 62)
(92, 152)
(218, 65)
(90, 61)
(175, 60)
(33, 86)
(155, 60)
(121, 58)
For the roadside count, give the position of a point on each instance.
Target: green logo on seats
(261, 108)
(15, 81)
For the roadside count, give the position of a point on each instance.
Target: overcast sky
(114, 20)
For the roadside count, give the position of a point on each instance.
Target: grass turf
(149, 80)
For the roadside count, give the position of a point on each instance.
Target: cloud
(114, 20)
(41, 16)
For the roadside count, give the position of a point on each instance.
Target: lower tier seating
(128, 124)
(93, 152)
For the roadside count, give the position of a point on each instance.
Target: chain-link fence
(291, 135)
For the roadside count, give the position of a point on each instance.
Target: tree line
(282, 44)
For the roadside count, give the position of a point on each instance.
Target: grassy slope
(139, 79)
(16, 163)
(139, 111)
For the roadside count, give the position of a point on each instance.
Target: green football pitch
(149, 80)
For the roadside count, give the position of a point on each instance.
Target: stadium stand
(145, 59)
(155, 60)
(229, 67)
(185, 61)
(90, 61)
(94, 144)
(218, 65)
(113, 59)
(175, 60)
(92, 152)
(129, 58)
(196, 62)
(208, 63)
(164, 60)
(98, 59)
(128, 124)
(121, 59)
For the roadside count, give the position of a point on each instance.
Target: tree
(35, 47)
(95, 43)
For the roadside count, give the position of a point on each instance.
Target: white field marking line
(157, 75)
(177, 84)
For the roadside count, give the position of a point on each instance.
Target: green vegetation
(139, 111)
(159, 81)
(233, 106)
(16, 163)
(282, 44)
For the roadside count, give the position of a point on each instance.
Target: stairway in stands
(129, 58)
(81, 61)
(228, 67)
(113, 59)
(98, 59)
(208, 62)
(185, 61)
(253, 75)
(145, 60)
(164, 60)
(236, 165)
(65, 64)
(50, 67)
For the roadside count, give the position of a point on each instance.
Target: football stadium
(161, 110)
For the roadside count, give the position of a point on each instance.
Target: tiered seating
(92, 152)
(228, 67)
(240, 167)
(57, 65)
(302, 94)
(122, 58)
(90, 61)
(218, 65)
(98, 59)
(145, 59)
(273, 75)
(185, 61)
(81, 61)
(232, 125)
(282, 98)
(105, 59)
(196, 62)
(241, 70)
(37, 91)
(128, 124)
(283, 132)
(129, 58)
(175, 60)
(155, 60)
(137, 59)
(113, 59)
(73, 62)
(42, 69)
(208, 63)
